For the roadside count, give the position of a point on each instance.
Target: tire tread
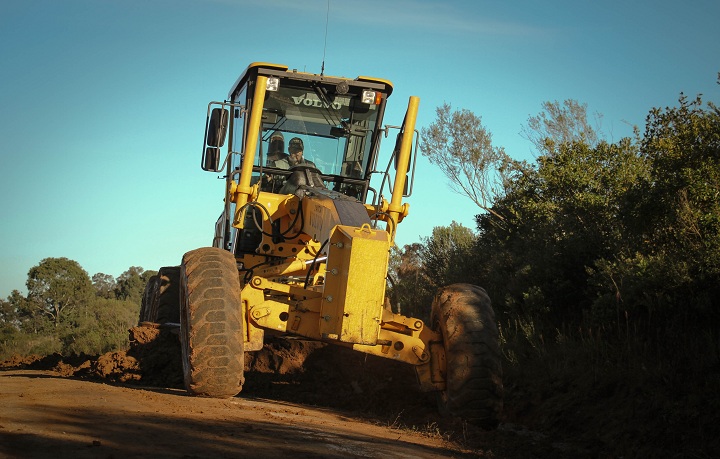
(211, 324)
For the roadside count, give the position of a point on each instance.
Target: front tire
(211, 326)
(474, 390)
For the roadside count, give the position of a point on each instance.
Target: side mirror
(215, 132)
(211, 159)
(217, 127)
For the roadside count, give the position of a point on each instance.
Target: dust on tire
(211, 332)
(474, 392)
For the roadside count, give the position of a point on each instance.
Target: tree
(64, 312)
(9, 318)
(564, 214)
(19, 313)
(104, 285)
(462, 148)
(131, 284)
(104, 328)
(8, 314)
(560, 124)
(673, 221)
(447, 255)
(56, 286)
(24, 329)
(683, 147)
(409, 289)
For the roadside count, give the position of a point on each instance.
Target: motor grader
(301, 248)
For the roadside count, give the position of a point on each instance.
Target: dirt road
(300, 400)
(45, 415)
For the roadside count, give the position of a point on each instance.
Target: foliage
(57, 285)
(669, 272)
(64, 312)
(606, 281)
(101, 327)
(447, 255)
(683, 145)
(417, 270)
(104, 285)
(9, 312)
(409, 291)
(599, 234)
(562, 124)
(462, 148)
(131, 284)
(562, 216)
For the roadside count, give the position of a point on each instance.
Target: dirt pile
(291, 370)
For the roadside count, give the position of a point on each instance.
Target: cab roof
(279, 70)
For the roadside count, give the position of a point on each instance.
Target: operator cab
(337, 120)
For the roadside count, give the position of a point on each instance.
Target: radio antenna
(327, 19)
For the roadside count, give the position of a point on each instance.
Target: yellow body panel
(354, 290)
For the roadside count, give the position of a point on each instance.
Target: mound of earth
(293, 370)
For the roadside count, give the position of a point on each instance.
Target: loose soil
(301, 399)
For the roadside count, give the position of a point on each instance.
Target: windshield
(334, 131)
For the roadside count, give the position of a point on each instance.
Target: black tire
(148, 305)
(211, 327)
(474, 389)
(168, 298)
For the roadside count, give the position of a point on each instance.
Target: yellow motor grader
(301, 248)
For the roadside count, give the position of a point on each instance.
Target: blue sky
(102, 102)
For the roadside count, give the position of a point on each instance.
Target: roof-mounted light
(273, 83)
(371, 97)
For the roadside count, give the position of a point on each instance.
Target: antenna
(327, 18)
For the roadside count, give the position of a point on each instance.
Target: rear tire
(474, 390)
(161, 297)
(148, 306)
(211, 323)
(168, 301)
